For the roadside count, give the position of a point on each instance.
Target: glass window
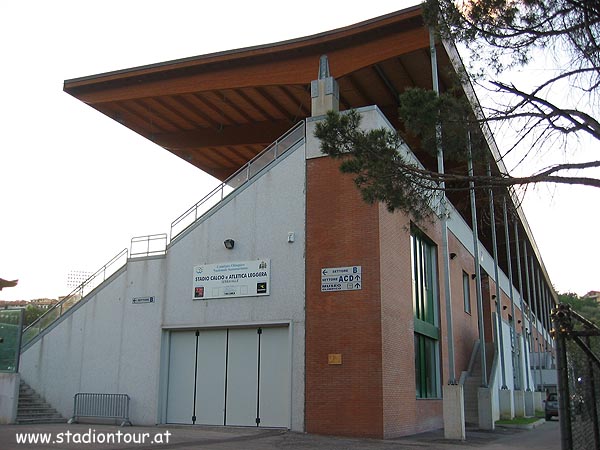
(426, 316)
(467, 292)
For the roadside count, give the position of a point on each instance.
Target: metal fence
(101, 406)
(578, 365)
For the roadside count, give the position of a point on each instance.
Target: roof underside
(218, 111)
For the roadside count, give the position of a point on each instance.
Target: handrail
(240, 177)
(150, 245)
(60, 308)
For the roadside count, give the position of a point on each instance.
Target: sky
(76, 186)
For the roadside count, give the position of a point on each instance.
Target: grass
(518, 421)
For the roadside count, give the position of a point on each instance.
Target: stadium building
(282, 299)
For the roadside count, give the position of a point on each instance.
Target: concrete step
(36, 411)
(30, 400)
(33, 409)
(27, 420)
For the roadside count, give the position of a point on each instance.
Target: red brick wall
(399, 392)
(372, 393)
(341, 230)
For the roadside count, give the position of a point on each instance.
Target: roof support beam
(388, 84)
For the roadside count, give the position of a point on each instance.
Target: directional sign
(142, 300)
(341, 279)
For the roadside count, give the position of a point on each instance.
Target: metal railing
(156, 244)
(103, 406)
(60, 308)
(244, 174)
(151, 245)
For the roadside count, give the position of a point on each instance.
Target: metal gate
(578, 360)
(229, 376)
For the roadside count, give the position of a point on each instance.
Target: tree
(501, 34)
(32, 313)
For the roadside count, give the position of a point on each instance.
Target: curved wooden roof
(219, 110)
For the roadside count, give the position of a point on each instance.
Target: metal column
(523, 319)
(497, 276)
(444, 219)
(530, 297)
(484, 380)
(511, 294)
(534, 280)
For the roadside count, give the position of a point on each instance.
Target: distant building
(13, 304)
(594, 295)
(44, 303)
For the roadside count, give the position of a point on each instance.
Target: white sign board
(234, 279)
(341, 279)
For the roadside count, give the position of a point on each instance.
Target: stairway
(473, 383)
(33, 409)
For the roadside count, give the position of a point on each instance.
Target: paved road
(81, 436)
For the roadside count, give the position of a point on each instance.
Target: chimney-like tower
(324, 91)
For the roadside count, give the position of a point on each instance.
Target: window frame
(426, 310)
(466, 292)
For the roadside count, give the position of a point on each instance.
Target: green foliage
(31, 314)
(587, 307)
(381, 171)
(428, 115)
(518, 421)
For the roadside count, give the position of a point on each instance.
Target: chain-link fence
(578, 360)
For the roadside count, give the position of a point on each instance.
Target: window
(426, 316)
(467, 292)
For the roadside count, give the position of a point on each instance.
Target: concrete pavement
(105, 437)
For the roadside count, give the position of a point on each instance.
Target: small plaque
(334, 358)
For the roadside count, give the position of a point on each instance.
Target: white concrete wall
(9, 397)
(108, 344)
(258, 219)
